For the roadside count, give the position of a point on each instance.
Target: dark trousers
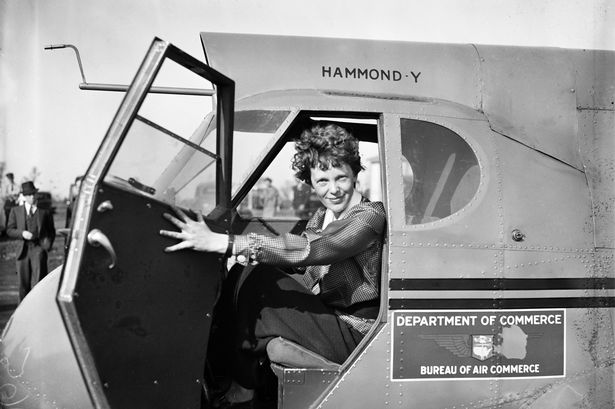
(31, 268)
(7, 211)
(268, 303)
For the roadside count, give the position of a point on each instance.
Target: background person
(301, 198)
(10, 193)
(339, 255)
(270, 198)
(35, 227)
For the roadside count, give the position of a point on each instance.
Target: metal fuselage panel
(588, 384)
(39, 368)
(530, 94)
(545, 172)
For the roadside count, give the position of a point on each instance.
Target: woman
(339, 255)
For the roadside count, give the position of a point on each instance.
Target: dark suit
(32, 256)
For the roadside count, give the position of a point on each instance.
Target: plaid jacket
(341, 263)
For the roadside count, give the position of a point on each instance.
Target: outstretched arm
(340, 240)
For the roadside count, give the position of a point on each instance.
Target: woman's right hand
(194, 234)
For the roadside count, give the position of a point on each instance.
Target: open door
(139, 318)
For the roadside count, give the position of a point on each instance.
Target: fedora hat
(28, 188)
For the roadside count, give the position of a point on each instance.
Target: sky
(48, 123)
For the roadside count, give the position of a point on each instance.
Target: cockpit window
(254, 133)
(440, 171)
(279, 195)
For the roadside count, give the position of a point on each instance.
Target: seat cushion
(290, 354)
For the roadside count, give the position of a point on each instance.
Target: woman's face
(334, 186)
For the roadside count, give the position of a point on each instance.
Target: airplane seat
(286, 353)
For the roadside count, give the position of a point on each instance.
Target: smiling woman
(338, 254)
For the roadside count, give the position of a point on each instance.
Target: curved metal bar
(56, 46)
(97, 238)
(123, 88)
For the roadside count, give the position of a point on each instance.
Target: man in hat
(35, 227)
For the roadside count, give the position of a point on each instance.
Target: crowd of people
(266, 200)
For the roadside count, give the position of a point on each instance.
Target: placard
(454, 344)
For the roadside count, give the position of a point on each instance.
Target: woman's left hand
(194, 234)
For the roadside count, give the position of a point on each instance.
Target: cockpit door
(139, 318)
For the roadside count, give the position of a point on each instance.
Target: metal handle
(96, 238)
(104, 206)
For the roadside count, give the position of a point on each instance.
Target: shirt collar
(330, 217)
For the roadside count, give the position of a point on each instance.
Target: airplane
(496, 166)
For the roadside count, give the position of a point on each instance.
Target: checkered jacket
(341, 263)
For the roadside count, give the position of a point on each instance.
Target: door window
(155, 162)
(169, 152)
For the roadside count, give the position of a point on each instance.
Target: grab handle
(96, 238)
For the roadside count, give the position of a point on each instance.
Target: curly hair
(324, 146)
